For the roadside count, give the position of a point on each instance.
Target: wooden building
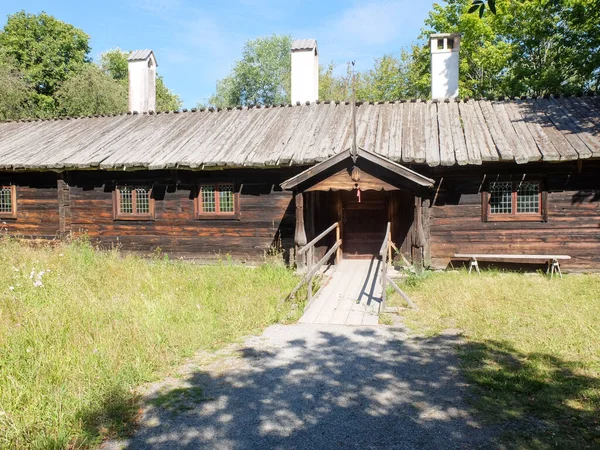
(519, 176)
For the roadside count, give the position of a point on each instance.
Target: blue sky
(197, 42)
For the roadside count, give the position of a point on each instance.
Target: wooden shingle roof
(432, 133)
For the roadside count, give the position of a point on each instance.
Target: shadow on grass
(548, 401)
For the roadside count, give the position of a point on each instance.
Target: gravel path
(310, 386)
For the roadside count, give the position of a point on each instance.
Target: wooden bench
(552, 260)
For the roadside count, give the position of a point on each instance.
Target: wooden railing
(385, 255)
(305, 256)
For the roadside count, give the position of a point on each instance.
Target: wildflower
(32, 274)
(12, 288)
(38, 283)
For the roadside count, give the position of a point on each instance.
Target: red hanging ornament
(358, 194)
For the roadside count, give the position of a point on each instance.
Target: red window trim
(118, 215)
(235, 214)
(514, 216)
(13, 200)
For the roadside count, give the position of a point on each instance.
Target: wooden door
(364, 223)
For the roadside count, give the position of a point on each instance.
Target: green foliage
(166, 100)
(332, 87)
(262, 76)
(114, 63)
(45, 49)
(16, 95)
(531, 47)
(528, 349)
(80, 329)
(90, 92)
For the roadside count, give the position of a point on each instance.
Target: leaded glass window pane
(501, 197)
(528, 198)
(209, 204)
(226, 198)
(142, 200)
(125, 200)
(6, 205)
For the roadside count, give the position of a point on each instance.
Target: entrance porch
(361, 196)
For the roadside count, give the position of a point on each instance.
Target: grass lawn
(80, 329)
(531, 349)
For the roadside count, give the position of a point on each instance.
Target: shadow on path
(319, 387)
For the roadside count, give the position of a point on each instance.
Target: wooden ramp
(352, 295)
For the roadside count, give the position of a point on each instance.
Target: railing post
(338, 253)
(383, 284)
(389, 252)
(310, 258)
(310, 286)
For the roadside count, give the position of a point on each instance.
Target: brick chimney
(142, 81)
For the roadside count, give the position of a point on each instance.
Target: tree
(528, 47)
(46, 50)
(15, 93)
(332, 87)
(262, 75)
(90, 92)
(114, 64)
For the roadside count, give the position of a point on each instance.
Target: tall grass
(532, 349)
(80, 329)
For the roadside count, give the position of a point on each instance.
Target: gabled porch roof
(314, 174)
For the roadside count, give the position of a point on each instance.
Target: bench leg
(473, 263)
(554, 267)
(558, 267)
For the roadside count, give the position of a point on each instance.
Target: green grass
(80, 329)
(531, 349)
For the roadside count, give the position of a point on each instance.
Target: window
(8, 202)
(134, 203)
(217, 200)
(514, 200)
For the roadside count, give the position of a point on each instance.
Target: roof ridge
(212, 109)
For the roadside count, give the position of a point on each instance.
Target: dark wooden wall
(572, 228)
(49, 209)
(265, 223)
(37, 206)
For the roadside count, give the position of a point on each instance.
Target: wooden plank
(446, 144)
(505, 151)
(472, 133)
(509, 256)
(432, 142)
(524, 138)
(487, 148)
(535, 121)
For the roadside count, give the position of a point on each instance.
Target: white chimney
(142, 81)
(444, 65)
(305, 71)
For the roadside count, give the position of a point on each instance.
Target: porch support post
(300, 235)
(340, 217)
(427, 232)
(418, 235)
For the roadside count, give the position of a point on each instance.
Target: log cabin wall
(573, 216)
(265, 224)
(54, 206)
(37, 206)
